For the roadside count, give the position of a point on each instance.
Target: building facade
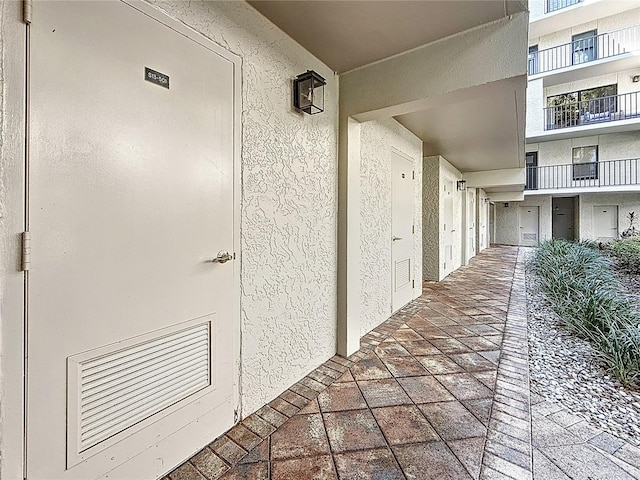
(583, 124)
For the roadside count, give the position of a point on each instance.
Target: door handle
(223, 257)
(396, 238)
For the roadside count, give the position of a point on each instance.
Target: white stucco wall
(626, 202)
(607, 24)
(288, 170)
(613, 146)
(482, 207)
(377, 140)
(507, 219)
(436, 170)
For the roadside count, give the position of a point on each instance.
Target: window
(585, 162)
(584, 47)
(533, 59)
(531, 164)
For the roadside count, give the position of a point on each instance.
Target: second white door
(529, 226)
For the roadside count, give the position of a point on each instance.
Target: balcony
(598, 47)
(589, 112)
(612, 173)
(554, 5)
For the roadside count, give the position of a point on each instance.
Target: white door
(131, 326)
(605, 222)
(471, 224)
(448, 226)
(529, 218)
(401, 230)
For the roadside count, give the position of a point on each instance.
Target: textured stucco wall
(626, 202)
(507, 219)
(431, 218)
(623, 79)
(603, 25)
(377, 140)
(613, 146)
(288, 201)
(482, 208)
(437, 170)
(536, 102)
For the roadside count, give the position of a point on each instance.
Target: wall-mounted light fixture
(635, 78)
(462, 185)
(308, 92)
(487, 200)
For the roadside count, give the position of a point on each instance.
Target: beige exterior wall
(507, 219)
(626, 202)
(377, 140)
(436, 170)
(614, 146)
(602, 25)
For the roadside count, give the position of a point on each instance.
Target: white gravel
(566, 369)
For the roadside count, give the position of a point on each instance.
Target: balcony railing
(595, 110)
(553, 5)
(580, 175)
(585, 50)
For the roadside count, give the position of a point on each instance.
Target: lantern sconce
(487, 200)
(308, 92)
(462, 185)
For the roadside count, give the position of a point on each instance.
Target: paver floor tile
(449, 345)
(382, 393)
(377, 464)
(300, 436)
(430, 461)
(309, 468)
(209, 463)
(453, 421)
(404, 366)
(472, 362)
(404, 424)
(469, 453)
(370, 368)
(421, 348)
(584, 462)
(353, 430)
(480, 408)
(437, 364)
(248, 471)
(341, 396)
(425, 389)
(464, 386)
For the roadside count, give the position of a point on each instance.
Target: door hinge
(235, 416)
(413, 229)
(26, 251)
(413, 175)
(27, 10)
(413, 284)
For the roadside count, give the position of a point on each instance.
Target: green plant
(627, 252)
(587, 296)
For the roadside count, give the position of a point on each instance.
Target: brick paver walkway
(438, 391)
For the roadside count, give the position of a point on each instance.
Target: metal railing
(553, 5)
(585, 50)
(579, 175)
(595, 110)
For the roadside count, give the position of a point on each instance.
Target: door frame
(14, 281)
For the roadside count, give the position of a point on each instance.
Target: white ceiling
(478, 131)
(347, 34)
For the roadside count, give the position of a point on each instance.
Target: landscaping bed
(583, 329)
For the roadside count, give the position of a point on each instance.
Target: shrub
(587, 296)
(627, 252)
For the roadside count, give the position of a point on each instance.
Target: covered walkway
(439, 391)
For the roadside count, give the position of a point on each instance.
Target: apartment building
(180, 242)
(583, 124)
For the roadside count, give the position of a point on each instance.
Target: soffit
(481, 130)
(347, 34)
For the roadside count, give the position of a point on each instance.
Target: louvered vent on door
(403, 273)
(119, 389)
(531, 237)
